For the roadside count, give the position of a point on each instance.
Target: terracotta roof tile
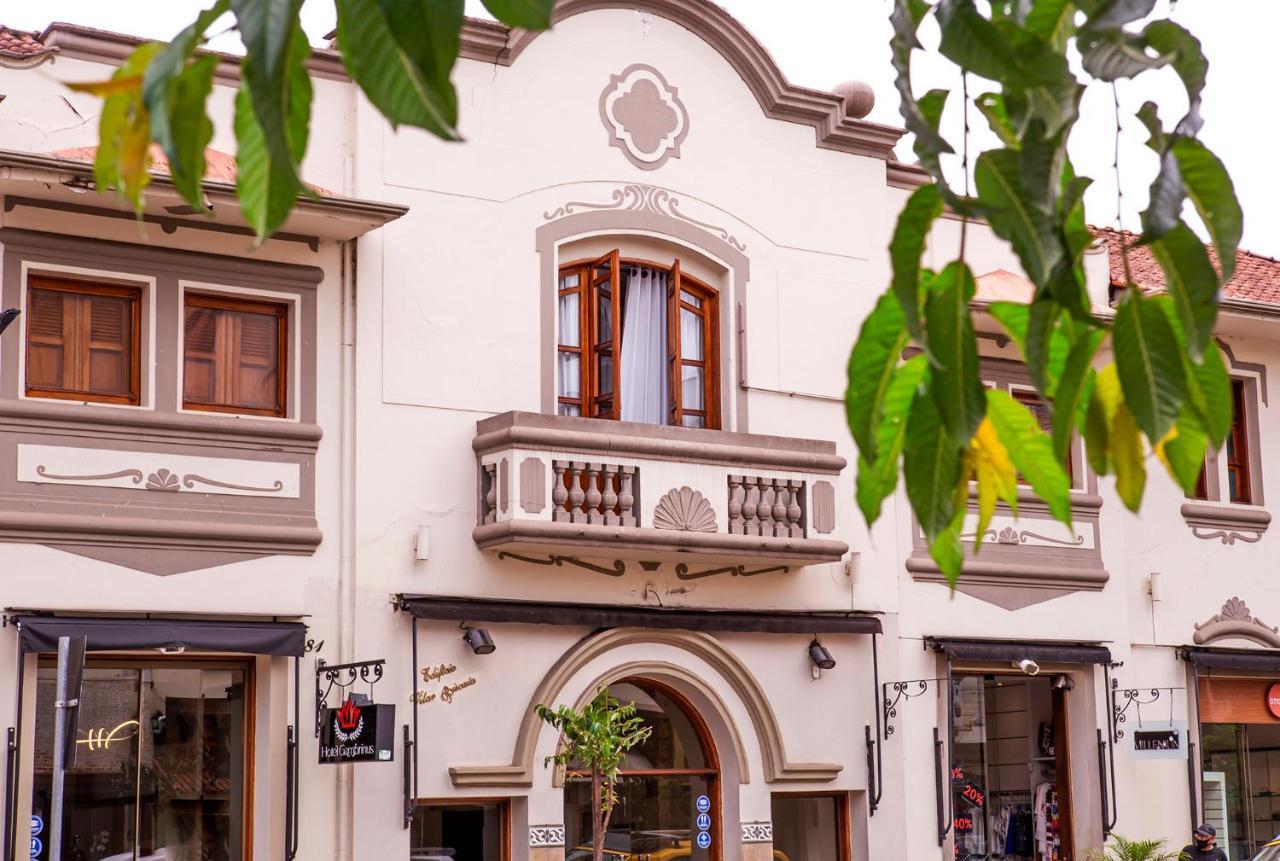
(20, 43)
(1256, 279)
(219, 166)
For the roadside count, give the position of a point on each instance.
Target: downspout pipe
(344, 819)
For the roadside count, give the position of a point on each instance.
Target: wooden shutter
(1239, 483)
(573, 351)
(235, 355)
(82, 341)
(604, 372)
(692, 355)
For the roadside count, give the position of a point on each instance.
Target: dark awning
(452, 609)
(1041, 652)
(1228, 659)
(41, 633)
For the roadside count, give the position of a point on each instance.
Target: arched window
(638, 342)
(666, 782)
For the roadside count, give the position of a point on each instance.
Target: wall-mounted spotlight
(820, 656)
(1028, 666)
(8, 316)
(479, 640)
(1062, 682)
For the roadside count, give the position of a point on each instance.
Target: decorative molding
(616, 570)
(1009, 535)
(105, 467)
(504, 485)
(541, 836)
(778, 99)
(727, 667)
(1236, 621)
(644, 116)
(1227, 523)
(757, 832)
(824, 507)
(684, 509)
(638, 197)
(682, 571)
(533, 485)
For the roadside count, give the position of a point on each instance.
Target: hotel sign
(357, 733)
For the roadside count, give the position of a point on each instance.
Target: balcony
(558, 490)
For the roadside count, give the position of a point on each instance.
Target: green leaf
(928, 144)
(878, 479)
(1164, 203)
(1117, 13)
(1149, 114)
(931, 466)
(1031, 451)
(1192, 284)
(1104, 400)
(123, 161)
(932, 104)
(957, 383)
(907, 247)
(1183, 450)
(1114, 54)
(1067, 395)
(872, 362)
(1047, 347)
(526, 14)
(1210, 188)
(991, 105)
(1209, 390)
(947, 551)
(1125, 449)
(1188, 61)
(268, 186)
(404, 70)
(1007, 203)
(1053, 21)
(1013, 317)
(1149, 360)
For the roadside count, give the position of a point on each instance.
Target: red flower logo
(349, 715)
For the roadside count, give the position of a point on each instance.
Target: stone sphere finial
(858, 96)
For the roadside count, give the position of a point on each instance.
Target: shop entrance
(1240, 762)
(1011, 767)
(160, 762)
(669, 791)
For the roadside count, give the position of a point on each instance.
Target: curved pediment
(1235, 621)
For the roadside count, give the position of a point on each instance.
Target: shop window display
(160, 763)
(462, 831)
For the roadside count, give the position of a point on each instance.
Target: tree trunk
(597, 818)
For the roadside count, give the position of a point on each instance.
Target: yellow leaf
(1126, 456)
(996, 476)
(109, 87)
(1160, 453)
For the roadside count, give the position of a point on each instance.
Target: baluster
(764, 510)
(491, 494)
(735, 505)
(577, 492)
(594, 514)
(794, 510)
(627, 499)
(559, 493)
(610, 502)
(781, 498)
(751, 523)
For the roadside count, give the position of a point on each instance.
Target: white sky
(820, 42)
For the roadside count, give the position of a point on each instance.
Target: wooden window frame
(589, 346)
(223, 302)
(122, 660)
(86, 288)
(844, 817)
(1223, 464)
(504, 804)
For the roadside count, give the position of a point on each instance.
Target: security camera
(1028, 666)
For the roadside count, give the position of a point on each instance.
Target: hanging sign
(1158, 740)
(1273, 700)
(356, 732)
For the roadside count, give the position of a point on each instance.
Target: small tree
(596, 740)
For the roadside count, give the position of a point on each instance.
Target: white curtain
(644, 347)
(570, 363)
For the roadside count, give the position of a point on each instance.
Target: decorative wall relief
(644, 116)
(1236, 620)
(1226, 523)
(824, 507)
(545, 835)
(638, 197)
(163, 472)
(533, 485)
(684, 510)
(757, 832)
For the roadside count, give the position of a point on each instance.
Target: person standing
(1203, 846)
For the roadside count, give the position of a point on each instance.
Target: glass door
(160, 763)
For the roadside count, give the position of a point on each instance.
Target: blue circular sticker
(36, 847)
(704, 804)
(704, 822)
(704, 840)
(37, 824)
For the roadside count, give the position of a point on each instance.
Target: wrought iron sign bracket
(332, 676)
(899, 693)
(1123, 698)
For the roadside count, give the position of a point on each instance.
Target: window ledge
(1226, 522)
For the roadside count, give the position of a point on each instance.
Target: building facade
(556, 410)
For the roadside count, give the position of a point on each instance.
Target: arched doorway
(657, 816)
